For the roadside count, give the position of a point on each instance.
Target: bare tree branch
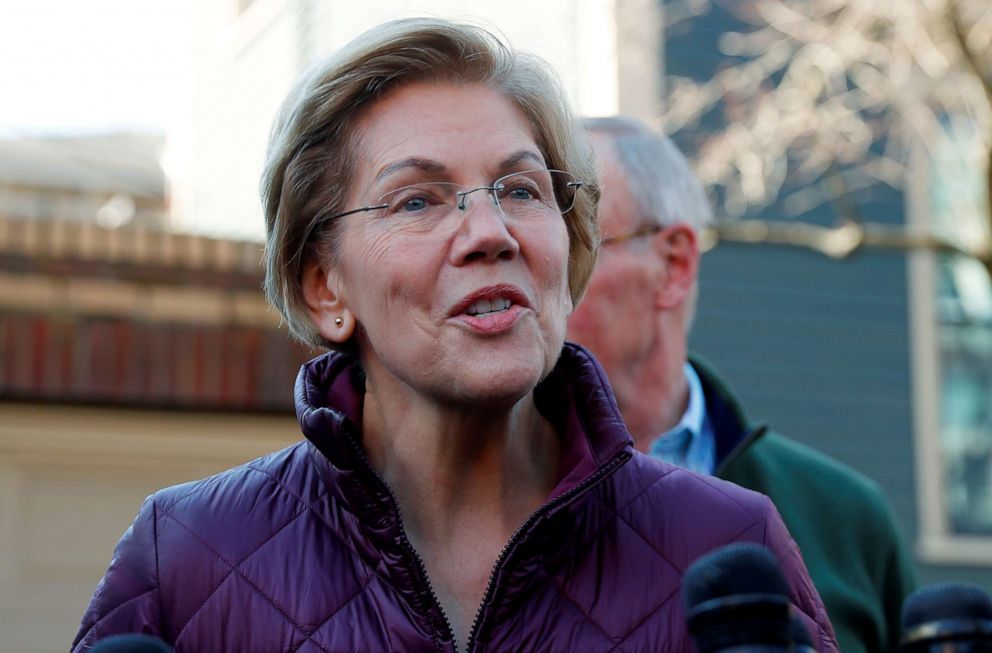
(971, 60)
(969, 57)
(840, 241)
(829, 97)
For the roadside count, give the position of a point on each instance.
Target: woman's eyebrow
(522, 155)
(429, 165)
(426, 165)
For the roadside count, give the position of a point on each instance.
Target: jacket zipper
(448, 632)
(612, 465)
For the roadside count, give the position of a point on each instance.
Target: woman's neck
(442, 460)
(465, 479)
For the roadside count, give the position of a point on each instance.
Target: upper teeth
(489, 306)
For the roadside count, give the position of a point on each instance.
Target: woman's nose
(463, 200)
(482, 233)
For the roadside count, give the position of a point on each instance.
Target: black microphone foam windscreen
(946, 601)
(131, 643)
(947, 617)
(741, 568)
(737, 597)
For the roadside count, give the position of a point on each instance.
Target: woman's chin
(501, 384)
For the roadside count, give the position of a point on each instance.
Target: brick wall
(138, 318)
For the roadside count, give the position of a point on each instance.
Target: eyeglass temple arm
(630, 235)
(327, 218)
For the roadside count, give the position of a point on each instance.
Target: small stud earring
(338, 321)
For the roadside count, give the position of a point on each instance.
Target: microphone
(131, 643)
(737, 601)
(947, 618)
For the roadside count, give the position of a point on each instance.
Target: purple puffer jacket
(303, 550)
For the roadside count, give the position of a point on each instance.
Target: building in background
(883, 359)
(131, 358)
(112, 179)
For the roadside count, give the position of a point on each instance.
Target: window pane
(964, 313)
(966, 433)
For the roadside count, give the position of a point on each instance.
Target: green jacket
(839, 518)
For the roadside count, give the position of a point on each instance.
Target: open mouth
(484, 307)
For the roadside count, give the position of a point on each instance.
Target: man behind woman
(636, 317)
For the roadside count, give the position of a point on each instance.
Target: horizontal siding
(818, 349)
(100, 360)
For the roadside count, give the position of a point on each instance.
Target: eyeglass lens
(527, 195)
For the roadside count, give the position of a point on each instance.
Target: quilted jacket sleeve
(127, 598)
(804, 596)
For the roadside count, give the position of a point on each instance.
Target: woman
(467, 482)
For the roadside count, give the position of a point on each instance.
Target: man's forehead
(603, 147)
(618, 210)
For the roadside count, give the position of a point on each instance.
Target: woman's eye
(522, 192)
(407, 203)
(413, 204)
(418, 200)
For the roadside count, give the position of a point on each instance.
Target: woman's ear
(676, 247)
(328, 312)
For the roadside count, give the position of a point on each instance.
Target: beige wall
(72, 479)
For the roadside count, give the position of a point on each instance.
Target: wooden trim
(134, 250)
(108, 297)
(76, 435)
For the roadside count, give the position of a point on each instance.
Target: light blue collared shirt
(691, 443)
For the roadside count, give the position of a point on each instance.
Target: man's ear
(328, 312)
(677, 248)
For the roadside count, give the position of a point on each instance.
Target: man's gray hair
(658, 175)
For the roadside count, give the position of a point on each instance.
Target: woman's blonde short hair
(312, 147)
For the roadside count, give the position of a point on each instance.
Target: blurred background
(846, 291)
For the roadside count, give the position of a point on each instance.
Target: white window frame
(936, 544)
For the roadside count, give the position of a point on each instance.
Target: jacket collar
(575, 398)
(733, 430)
(329, 396)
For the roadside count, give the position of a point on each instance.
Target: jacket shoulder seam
(158, 577)
(196, 487)
(714, 484)
(588, 617)
(232, 569)
(117, 607)
(310, 637)
(313, 511)
(651, 545)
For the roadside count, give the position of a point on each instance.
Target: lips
(490, 300)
